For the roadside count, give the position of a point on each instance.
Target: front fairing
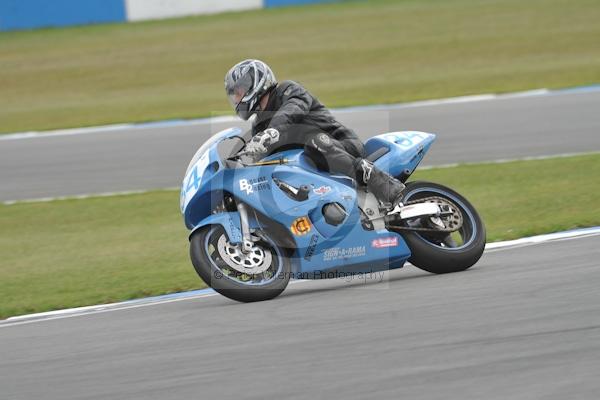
(204, 166)
(211, 145)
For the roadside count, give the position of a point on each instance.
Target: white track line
(549, 237)
(81, 311)
(509, 160)
(116, 127)
(86, 196)
(81, 196)
(127, 305)
(228, 118)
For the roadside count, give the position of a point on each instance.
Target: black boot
(385, 187)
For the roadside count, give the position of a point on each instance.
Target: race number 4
(406, 139)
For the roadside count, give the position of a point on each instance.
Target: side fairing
(257, 188)
(320, 246)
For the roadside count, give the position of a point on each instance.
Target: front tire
(260, 275)
(444, 253)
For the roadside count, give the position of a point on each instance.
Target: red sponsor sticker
(385, 242)
(322, 190)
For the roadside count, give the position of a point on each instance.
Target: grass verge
(78, 252)
(347, 53)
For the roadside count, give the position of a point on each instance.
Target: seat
(378, 153)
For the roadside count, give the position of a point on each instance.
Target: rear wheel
(259, 274)
(443, 252)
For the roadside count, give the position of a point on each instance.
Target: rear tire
(215, 272)
(436, 254)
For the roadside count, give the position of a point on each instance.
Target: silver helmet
(246, 83)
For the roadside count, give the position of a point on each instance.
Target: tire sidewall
(438, 260)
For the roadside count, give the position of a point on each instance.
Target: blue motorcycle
(256, 225)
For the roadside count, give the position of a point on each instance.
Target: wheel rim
(259, 266)
(457, 240)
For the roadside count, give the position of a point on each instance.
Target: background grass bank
(349, 53)
(78, 252)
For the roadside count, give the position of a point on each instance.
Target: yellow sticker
(300, 226)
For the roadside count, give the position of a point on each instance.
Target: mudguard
(230, 221)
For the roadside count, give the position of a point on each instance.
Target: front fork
(246, 238)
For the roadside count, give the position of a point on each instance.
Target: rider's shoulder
(289, 86)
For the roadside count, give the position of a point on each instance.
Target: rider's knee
(321, 143)
(354, 147)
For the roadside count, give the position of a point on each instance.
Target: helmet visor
(236, 91)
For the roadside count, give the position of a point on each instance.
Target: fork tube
(246, 242)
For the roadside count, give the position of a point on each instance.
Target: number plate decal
(406, 139)
(191, 183)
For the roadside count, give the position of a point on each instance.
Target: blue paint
(283, 3)
(162, 124)
(580, 89)
(29, 14)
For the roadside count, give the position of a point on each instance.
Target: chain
(415, 229)
(424, 200)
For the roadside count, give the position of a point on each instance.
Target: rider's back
(297, 115)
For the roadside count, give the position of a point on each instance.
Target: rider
(288, 116)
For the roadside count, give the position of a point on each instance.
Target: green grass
(347, 53)
(78, 252)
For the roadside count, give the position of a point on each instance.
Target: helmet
(246, 83)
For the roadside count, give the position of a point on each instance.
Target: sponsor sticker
(406, 139)
(301, 226)
(324, 138)
(191, 183)
(381, 243)
(250, 185)
(321, 190)
(310, 250)
(337, 253)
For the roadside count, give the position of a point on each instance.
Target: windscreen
(210, 142)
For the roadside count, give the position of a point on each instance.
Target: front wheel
(444, 252)
(260, 274)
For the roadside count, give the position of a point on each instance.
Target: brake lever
(236, 156)
(243, 153)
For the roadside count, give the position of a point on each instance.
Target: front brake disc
(256, 261)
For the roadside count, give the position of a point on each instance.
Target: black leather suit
(303, 122)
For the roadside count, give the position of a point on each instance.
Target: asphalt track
(524, 323)
(478, 129)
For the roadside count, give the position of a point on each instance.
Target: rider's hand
(258, 146)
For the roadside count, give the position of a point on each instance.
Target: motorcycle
(256, 225)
